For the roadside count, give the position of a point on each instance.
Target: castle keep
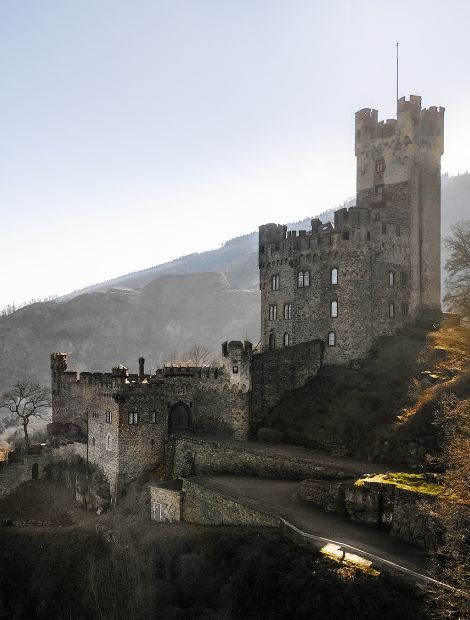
(326, 295)
(378, 265)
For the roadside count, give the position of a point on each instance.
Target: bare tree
(199, 355)
(27, 400)
(458, 269)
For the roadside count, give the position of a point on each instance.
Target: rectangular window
(379, 165)
(133, 417)
(275, 281)
(273, 312)
(346, 235)
(404, 309)
(235, 370)
(391, 310)
(153, 417)
(109, 417)
(379, 189)
(391, 278)
(403, 277)
(287, 311)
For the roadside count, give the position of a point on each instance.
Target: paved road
(280, 498)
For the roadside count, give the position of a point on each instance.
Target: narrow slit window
(334, 309)
(391, 310)
(404, 309)
(275, 282)
(403, 277)
(273, 312)
(272, 341)
(133, 417)
(287, 311)
(391, 278)
(153, 417)
(286, 339)
(109, 417)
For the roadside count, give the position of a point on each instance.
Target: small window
(153, 417)
(380, 165)
(272, 341)
(286, 339)
(391, 310)
(404, 309)
(275, 281)
(273, 312)
(287, 311)
(331, 339)
(334, 275)
(303, 279)
(235, 370)
(403, 277)
(379, 189)
(334, 309)
(391, 278)
(133, 417)
(368, 235)
(346, 235)
(108, 442)
(384, 228)
(93, 441)
(109, 417)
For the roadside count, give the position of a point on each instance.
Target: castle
(379, 264)
(326, 295)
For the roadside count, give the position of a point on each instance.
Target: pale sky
(132, 132)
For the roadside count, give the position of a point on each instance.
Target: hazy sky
(132, 132)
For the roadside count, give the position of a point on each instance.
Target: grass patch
(411, 482)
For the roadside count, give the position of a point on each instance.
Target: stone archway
(179, 417)
(35, 471)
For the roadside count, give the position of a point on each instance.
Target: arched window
(286, 339)
(334, 275)
(391, 278)
(334, 309)
(272, 341)
(331, 339)
(391, 310)
(303, 279)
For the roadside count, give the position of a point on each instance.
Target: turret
(58, 367)
(238, 356)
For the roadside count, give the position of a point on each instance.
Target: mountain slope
(201, 298)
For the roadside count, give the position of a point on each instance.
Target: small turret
(58, 367)
(238, 357)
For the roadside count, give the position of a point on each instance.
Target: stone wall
(407, 513)
(207, 506)
(273, 373)
(165, 501)
(14, 474)
(328, 494)
(192, 456)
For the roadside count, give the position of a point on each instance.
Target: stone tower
(399, 175)
(378, 265)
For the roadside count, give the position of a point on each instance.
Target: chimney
(141, 369)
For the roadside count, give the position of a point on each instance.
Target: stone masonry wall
(273, 373)
(165, 502)
(196, 456)
(210, 507)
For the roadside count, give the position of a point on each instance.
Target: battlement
(236, 346)
(189, 372)
(424, 121)
(59, 362)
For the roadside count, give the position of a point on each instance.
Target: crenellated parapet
(420, 126)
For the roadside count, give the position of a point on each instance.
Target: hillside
(199, 298)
